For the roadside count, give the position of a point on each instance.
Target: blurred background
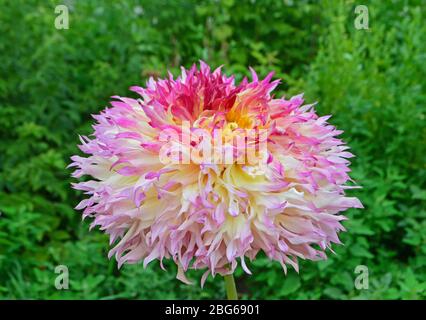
(372, 81)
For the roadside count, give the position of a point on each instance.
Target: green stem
(231, 290)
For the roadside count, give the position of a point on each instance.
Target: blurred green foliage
(372, 81)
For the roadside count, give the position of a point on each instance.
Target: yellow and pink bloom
(214, 212)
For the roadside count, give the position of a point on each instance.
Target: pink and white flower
(214, 215)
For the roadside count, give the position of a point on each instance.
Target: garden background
(51, 81)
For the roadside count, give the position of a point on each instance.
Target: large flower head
(209, 173)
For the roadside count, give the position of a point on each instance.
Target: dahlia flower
(161, 190)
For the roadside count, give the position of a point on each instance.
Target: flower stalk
(231, 289)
